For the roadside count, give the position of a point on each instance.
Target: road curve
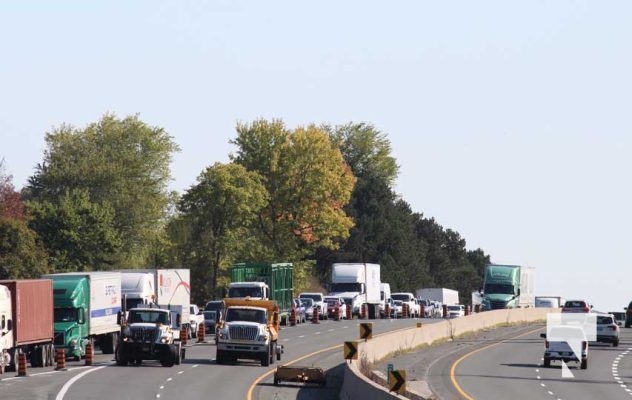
(512, 368)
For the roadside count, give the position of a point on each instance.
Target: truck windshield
(402, 297)
(346, 287)
(148, 317)
(245, 314)
(499, 288)
(236, 292)
(65, 314)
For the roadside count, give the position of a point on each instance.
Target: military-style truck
(149, 334)
(250, 330)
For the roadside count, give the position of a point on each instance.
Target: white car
(319, 302)
(556, 346)
(396, 308)
(408, 298)
(456, 311)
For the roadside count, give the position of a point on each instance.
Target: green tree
(80, 235)
(21, 256)
(308, 183)
(216, 215)
(366, 150)
(123, 164)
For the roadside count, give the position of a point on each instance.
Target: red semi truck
(26, 322)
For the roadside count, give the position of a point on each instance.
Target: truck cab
(253, 290)
(71, 302)
(250, 330)
(150, 334)
(502, 287)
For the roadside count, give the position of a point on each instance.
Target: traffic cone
(89, 353)
(337, 313)
(387, 311)
(349, 312)
(183, 335)
(315, 317)
(21, 364)
(293, 317)
(61, 359)
(201, 333)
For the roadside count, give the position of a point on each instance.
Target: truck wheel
(120, 357)
(273, 347)
(219, 357)
(265, 359)
(584, 363)
(40, 355)
(547, 362)
(166, 357)
(615, 343)
(177, 354)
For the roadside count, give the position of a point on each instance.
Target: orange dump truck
(249, 330)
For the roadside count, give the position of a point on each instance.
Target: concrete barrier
(358, 386)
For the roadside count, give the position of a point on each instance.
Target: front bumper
(243, 350)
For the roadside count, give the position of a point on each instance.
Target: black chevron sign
(366, 331)
(351, 351)
(397, 381)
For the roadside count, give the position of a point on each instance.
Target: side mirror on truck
(81, 318)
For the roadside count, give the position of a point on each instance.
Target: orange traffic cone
(201, 333)
(61, 359)
(89, 353)
(21, 364)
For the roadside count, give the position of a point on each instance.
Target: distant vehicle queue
(111, 310)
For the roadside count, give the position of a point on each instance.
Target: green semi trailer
(266, 281)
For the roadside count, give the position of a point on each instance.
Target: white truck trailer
(168, 288)
(357, 284)
(444, 296)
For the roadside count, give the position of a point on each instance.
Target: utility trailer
(287, 373)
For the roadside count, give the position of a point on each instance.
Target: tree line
(312, 195)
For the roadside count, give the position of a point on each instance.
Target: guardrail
(357, 386)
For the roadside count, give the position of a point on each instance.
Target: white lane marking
(316, 333)
(331, 330)
(180, 372)
(286, 340)
(302, 336)
(157, 396)
(169, 379)
(195, 366)
(162, 387)
(64, 389)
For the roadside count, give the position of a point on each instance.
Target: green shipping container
(279, 278)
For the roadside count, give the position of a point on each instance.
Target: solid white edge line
(64, 389)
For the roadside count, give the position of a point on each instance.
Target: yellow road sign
(366, 331)
(397, 381)
(350, 351)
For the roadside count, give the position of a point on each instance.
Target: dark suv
(628, 315)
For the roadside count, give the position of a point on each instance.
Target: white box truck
(442, 295)
(170, 289)
(357, 284)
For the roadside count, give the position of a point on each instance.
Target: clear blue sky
(510, 121)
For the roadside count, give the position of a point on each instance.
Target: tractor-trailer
(168, 288)
(87, 308)
(442, 295)
(508, 286)
(26, 322)
(357, 284)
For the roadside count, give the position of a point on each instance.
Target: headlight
(73, 342)
(223, 334)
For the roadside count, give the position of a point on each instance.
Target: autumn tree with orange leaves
(308, 182)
